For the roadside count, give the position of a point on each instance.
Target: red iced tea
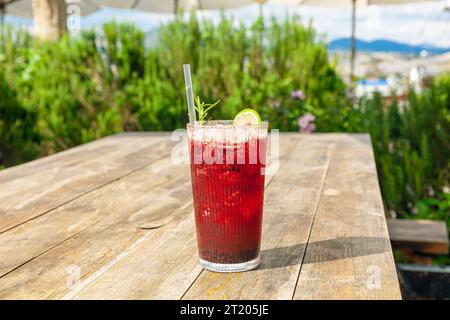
(228, 190)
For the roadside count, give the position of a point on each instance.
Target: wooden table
(71, 225)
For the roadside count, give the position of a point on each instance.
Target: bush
(105, 82)
(411, 144)
(17, 135)
(57, 95)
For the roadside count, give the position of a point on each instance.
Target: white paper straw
(189, 92)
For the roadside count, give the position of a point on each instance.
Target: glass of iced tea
(227, 170)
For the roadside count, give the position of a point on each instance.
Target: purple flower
(298, 94)
(306, 123)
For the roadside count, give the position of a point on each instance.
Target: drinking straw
(189, 92)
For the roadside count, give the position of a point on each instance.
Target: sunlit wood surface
(113, 219)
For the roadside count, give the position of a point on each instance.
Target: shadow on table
(321, 251)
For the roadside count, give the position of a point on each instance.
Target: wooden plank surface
(102, 225)
(348, 255)
(35, 188)
(167, 264)
(107, 227)
(291, 201)
(89, 243)
(30, 239)
(422, 236)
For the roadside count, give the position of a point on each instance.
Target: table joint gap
(46, 250)
(82, 194)
(190, 286)
(316, 207)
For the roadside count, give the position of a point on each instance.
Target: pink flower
(306, 123)
(303, 122)
(309, 128)
(298, 94)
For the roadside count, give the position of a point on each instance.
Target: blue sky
(420, 23)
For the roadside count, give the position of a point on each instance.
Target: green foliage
(400, 257)
(17, 135)
(104, 82)
(412, 151)
(435, 208)
(54, 96)
(203, 108)
(411, 144)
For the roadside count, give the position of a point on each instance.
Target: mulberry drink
(227, 171)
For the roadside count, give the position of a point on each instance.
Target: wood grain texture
(423, 236)
(291, 201)
(151, 196)
(124, 225)
(163, 267)
(30, 190)
(348, 255)
(26, 241)
(107, 221)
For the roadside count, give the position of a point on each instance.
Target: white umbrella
(174, 6)
(24, 8)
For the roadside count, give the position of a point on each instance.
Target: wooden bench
(419, 236)
(75, 225)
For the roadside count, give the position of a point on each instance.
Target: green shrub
(17, 128)
(104, 82)
(411, 144)
(57, 95)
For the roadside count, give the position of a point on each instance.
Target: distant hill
(384, 46)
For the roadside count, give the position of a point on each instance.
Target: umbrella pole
(175, 8)
(353, 49)
(2, 15)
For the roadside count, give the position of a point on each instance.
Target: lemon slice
(247, 117)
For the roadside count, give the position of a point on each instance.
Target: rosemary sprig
(203, 108)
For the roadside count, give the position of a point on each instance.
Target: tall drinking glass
(227, 170)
